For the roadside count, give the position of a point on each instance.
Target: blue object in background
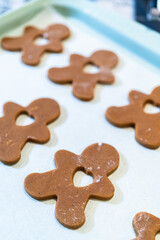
(148, 13)
(6, 5)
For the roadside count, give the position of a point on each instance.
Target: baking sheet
(81, 123)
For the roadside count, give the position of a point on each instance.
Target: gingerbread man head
(147, 126)
(31, 52)
(84, 83)
(146, 226)
(97, 160)
(14, 137)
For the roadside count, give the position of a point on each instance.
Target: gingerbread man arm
(12, 44)
(17, 43)
(61, 75)
(12, 109)
(44, 185)
(40, 134)
(146, 226)
(36, 185)
(121, 116)
(77, 60)
(55, 46)
(31, 31)
(66, 74)
(137, 97)
(63, 156)
(106, 77)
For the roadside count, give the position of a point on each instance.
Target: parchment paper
(137, 181)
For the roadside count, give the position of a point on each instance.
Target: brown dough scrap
(31, 52)
(146, 226)
(84, 83)
(97, 160)
(14, 137)
(147, 126)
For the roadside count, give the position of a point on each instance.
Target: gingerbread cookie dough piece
(14, 137)
(84, 83)
(97, 160)
(31, 52)
(146, 226)
(147, 126)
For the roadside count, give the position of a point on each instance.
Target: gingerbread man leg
(147, 134)
(84, 90)
(31, 56)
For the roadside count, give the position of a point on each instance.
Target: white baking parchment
(137, 180)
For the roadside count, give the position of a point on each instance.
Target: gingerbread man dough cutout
(14, 137)
(97, 160)
(84, 83)
(31, 52)
(147, 126)
(146, 226)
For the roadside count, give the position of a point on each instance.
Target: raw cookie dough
(14, 137)
(97, 160)
(31, 53)
(147, 126)
(84, 83)
(146, 226)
